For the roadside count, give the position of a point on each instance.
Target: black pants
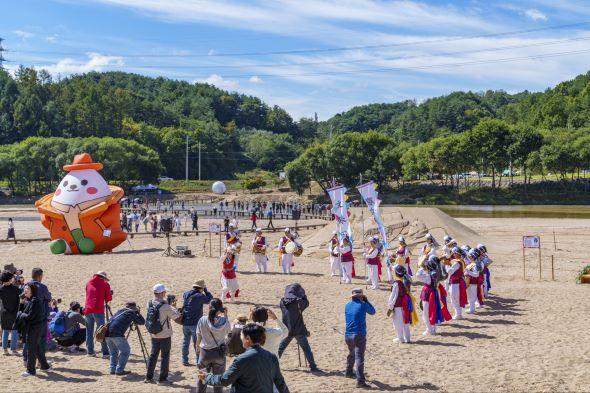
(77, 339)
(33, 339)
(159, 345)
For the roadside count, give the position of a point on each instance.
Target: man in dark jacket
(73, 335)
(44, 297)
(98, 294)
(115, 339)
(292, 306)
(192, 311)
(254, 371)
(9, 296)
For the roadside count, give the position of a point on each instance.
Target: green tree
(298, 176)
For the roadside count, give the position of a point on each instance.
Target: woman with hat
(334, 255)
(259, 250)
(399, 306)
(403, 255)
(373, 262)
(229, 280)
(347, 260)
(472, 275)
(457, 287)
(232, 240)
(449, 244)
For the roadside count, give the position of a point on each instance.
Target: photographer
(192, 311)
(119, 349)
(254, 371)
(211, 331)
(160, 311)
(98, 295)
(274, 336)
(292, 306)
(32, 322)
(73, 335)
(356, 311)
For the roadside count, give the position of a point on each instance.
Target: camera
(171, 299)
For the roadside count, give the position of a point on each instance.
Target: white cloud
(52, 39)
(255, 79)
(219, 81)
(95, 62)
(535, 14)
(23, 34)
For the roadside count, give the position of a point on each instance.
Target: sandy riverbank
(531, 335)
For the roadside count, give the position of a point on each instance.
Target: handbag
(101, 333)
(221, 348)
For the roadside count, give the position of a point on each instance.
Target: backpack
(152, 320)
(234, 342)
(189, 308)
(57, 326)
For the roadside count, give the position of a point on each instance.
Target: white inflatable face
(81, 186)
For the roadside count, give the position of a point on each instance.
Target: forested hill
(236, 132)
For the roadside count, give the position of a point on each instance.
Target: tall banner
(369, 193)
(340, 210)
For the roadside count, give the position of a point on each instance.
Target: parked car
(164, 178)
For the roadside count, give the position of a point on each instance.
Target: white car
(164, 178)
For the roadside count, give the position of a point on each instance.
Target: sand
(531, 335)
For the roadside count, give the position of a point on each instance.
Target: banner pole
(363, 227)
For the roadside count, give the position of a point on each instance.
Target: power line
(275, 65)
(490, 61)
(325, 50)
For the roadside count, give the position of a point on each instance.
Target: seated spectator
(73, 336)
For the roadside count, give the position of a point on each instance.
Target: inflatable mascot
(82, 215)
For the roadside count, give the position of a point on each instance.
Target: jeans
(91, 319)
(356, 354)
(210, 360)
(119, 353)
(33, 338)
(189, 333)
(304, 344)
(163, 345)
(13, 339)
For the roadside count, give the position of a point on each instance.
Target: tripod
(142, 344)
(168, 251)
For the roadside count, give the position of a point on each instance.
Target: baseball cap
(159, 288)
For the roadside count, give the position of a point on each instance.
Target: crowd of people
(30, 314)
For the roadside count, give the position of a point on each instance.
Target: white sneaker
(26, 374)
(396, 340)
(457, 317)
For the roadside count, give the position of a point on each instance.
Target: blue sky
(305, 55)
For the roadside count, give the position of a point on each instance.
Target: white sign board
(531, 242)
(214, 228)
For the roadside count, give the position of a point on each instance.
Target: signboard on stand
(530, 241)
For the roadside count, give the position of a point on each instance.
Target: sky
(309, 56)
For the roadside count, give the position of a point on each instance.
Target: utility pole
(199, 161)
(186, 160)
(1, 57)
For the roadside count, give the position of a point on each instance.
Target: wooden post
(539, 259)
(552, 270)
(554, 242)
(210, 249)
(523, 265)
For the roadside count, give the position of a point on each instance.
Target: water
(517, 211)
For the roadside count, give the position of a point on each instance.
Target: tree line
(490, 149)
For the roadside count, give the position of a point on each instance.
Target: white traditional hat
(159, 288)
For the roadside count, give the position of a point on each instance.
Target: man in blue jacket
(254, 371)
(356, 334)
(119, 349)
(192, 311)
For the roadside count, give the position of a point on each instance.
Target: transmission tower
(1, 57)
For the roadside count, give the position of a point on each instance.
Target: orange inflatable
(82, 215)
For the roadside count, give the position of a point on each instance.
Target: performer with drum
(347, 258)
(402, 255)
(288, 248)
(259, 250)
(232, 240)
